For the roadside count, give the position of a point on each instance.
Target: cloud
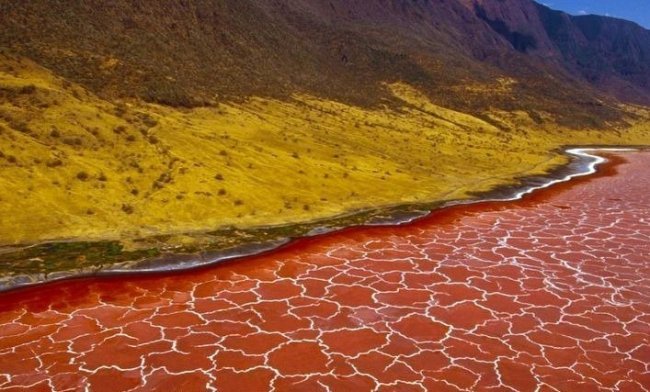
(582, 12)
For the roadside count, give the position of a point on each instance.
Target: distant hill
(193, 52)
(612, 55)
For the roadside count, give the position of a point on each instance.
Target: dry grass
(75, 166)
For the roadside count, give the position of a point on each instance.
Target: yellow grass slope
(73, 166)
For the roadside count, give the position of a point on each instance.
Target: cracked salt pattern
(551, 293)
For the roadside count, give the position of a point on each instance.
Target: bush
(20, 126)
(30, 89)
(167, 93)
(82, 175)
(120, 110)
(148, 121)
(54, 163)
(127, 209)
(72, 141)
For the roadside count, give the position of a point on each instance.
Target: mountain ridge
(194, 52)
(612, 54)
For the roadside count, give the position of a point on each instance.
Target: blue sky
(636, 10)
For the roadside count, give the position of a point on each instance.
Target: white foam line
(594, 162)
(591, 168)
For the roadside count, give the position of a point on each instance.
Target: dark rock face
(188, 52)
(521, 42)
(612, 55)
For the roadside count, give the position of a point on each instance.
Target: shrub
(148, 121)
(82, 175)
(54, 163)
(165, 178)
(167, 93)
(120, 110)
(30, 89)
(127, 209)
(72, 141)
(20, 126)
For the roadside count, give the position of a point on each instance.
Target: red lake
(547, 293)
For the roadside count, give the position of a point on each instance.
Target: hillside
(188, 53)
(125, 119)
(612, 55)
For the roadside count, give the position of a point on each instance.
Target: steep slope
(611, 54)
(73, 165)
(193, 52)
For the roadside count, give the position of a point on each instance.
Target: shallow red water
(549, 293)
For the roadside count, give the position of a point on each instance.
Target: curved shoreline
(584, 162)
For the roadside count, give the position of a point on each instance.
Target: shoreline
(584, 162)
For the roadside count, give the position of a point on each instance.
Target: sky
(635, 10)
